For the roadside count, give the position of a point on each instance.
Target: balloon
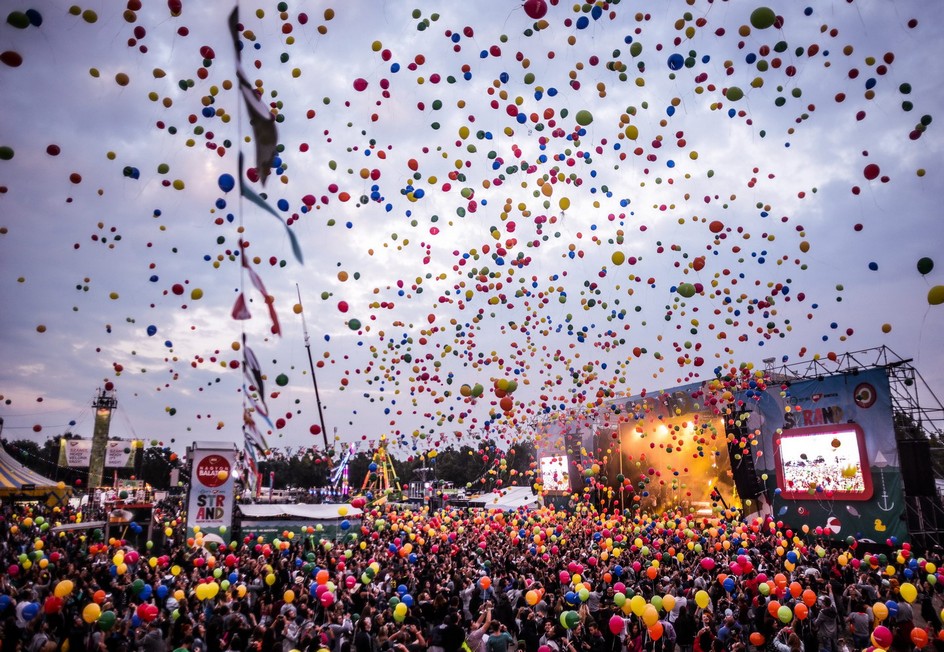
(107, 620)
(650, 615)
(584, 117)
(656, 630)
(801, 611)
(531, 598)
(91, 613)
(925, 265)
(702, 599)
(399, 612)
(881, 637)
(784, 614)
(919, 637)
(535, 9)
(616, 625)
(226, 182)
(880, 611)
(908, 591)
(63, 588)
(936, 295)
(763, 17)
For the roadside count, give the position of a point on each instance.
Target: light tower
(104, 404)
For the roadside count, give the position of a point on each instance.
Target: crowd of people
(466, 580)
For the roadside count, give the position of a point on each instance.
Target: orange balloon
(809, 597)
(773, 607)
(919, 637)
(780, 580)
(655, 631)
(801, 611)
(795, 589)
(757, 639)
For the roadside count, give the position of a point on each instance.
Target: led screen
(554, 475)
(824, 462)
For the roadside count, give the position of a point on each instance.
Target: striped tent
(19, 482)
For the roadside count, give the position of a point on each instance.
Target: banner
(211, 496)
(77, 453)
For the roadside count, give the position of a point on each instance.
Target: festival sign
(211, 495)
(77, 453)
(828, 456)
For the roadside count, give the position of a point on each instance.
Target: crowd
(458, 580)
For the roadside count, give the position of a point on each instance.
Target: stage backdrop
(828, 456)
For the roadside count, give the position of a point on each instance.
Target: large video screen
(554, 474)
(824, 462)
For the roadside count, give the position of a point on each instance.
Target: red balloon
(871, 171)
(535, 9)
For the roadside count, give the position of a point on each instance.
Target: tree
(156, 464)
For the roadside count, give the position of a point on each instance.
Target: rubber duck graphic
(879, 526)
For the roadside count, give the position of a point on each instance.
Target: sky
(614, 198)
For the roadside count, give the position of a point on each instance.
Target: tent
(511, 498)
(20, 483)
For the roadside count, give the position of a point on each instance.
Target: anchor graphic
(880, 463)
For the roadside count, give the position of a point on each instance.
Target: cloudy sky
(616, 198)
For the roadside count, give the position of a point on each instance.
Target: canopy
(18, 481)
(508, 499)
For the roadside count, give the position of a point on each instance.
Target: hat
(299, 580)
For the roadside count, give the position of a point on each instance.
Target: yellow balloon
(638, 604)
(63, 588)
(91, 613)
(908, 591)
(702, 599)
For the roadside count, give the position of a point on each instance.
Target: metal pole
(311, 365)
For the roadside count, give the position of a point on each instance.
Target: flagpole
(311, 365)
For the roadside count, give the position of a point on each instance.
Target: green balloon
(584, 118)
(763, 17)
(107, 620)
(734, 93)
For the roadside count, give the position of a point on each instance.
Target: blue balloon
(162, 591)
(407, 599)
(227, 182)
(30, 611)
(892, 607)
(728, 584)
(345, 524)
(146, 592)
(5, 602)
(676, 61)
(402, 590)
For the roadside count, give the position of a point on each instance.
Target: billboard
(211, 494)
(828, 456)
(77, 453)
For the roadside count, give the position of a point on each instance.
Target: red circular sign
(213, 470)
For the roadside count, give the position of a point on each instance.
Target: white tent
(506, 499)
